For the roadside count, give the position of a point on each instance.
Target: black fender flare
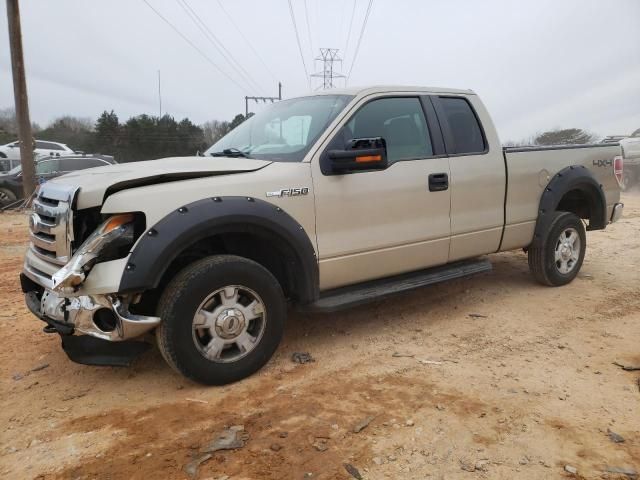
(164, 241)
(574, 177)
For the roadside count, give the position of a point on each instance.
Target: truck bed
(531, 168)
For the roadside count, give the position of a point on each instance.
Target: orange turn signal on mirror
(369, 158)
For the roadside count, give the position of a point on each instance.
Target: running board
(359, 294)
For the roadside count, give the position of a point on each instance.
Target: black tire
(7, 197)
(185, 294)
(542, 261)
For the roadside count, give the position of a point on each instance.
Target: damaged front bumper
(95, 329)
(101, 316)
(95, 325)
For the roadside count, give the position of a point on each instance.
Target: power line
(202, 54)
(222, 49)
(215, 41)
(295, 27)
(306, 15)
(353, 13)
(342, 17)
(364, 25)
(246, 40)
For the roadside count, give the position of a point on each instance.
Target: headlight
(103, 244)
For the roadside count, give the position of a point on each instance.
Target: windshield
(15, 170)
(283, 131)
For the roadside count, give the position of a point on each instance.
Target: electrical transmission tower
(328, 57)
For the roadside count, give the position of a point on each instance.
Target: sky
(537, 64)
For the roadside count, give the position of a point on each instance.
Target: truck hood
(96, 183)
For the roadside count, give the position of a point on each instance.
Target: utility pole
(21, 99)
(328, 56)
(159, 94)
(261, 99)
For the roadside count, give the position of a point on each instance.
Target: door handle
(438, 182)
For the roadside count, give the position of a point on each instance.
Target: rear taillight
(618, 168)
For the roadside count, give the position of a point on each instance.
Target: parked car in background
(631, 145)
(631, 155)
(47, 168)
(10, 153)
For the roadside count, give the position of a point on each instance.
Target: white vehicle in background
(11, 152)
(631, 145)
(631, 155)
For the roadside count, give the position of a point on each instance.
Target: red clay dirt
(521, 390)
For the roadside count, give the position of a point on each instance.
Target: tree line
(143, 137)
(557, 136)
(147, 137)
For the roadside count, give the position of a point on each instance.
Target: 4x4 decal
(603, 163)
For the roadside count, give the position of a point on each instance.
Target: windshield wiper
(230, 152)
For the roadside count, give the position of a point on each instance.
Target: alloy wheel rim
(567, 250)
(229, 324)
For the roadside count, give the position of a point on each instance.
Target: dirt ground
(521, 389)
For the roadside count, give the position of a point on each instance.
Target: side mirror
(359, 154)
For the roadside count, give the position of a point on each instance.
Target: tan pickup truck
(319, 202)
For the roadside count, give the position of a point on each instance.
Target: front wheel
(7, 197)
(558, 260)
(222, 319)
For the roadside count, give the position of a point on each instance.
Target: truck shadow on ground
(449, 299)
(424, 309)
(421, 309)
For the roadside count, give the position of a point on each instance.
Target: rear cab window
(462, 131)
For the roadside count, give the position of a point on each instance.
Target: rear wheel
(222, 319)
(559, 258)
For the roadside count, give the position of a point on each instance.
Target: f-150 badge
(289, 192)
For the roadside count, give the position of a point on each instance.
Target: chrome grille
(52, 215)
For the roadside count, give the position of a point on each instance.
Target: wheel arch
(573, 189)
(242, 226)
